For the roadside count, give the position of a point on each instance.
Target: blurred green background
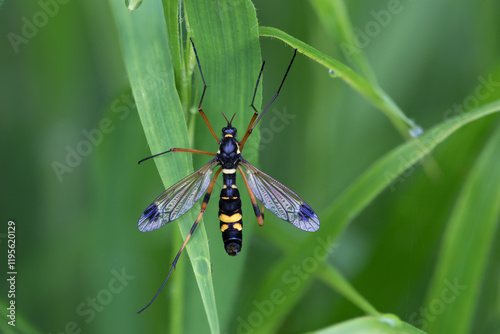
(76, 230)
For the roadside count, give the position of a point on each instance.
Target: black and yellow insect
(183, 195)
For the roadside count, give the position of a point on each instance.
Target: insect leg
(254, 124)
(256, 113)
(202, 113)
(203, 207)
(258, 213)
(175, 149)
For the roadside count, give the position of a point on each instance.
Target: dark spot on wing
(151, 213)
(305, 212)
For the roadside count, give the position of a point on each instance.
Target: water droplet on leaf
(332, 73)
(133, 4)
(416, 131)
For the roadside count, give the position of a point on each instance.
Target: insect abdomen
(231, 223)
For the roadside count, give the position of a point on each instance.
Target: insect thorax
(229, 150)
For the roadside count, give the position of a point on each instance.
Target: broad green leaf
(466, 247)
(350, 203)
(384, 324)
(226, 37)
(373, 93)
(146, 52)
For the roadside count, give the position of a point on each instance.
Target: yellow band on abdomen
(230, 219)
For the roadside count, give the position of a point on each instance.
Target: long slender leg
(202, 113)
(251, 126)
(260, 217)
(176, 149)
(203, 207)
(256, 112)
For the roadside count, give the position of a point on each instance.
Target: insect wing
(176, 200)
(280, 200)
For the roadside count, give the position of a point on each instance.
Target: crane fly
(182, 196)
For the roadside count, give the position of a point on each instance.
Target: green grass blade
(466, 247)
(177, 298)
(171, 9)
(387, 324)
(334, 279)
(373, 93)
(227, 42)
(334, 16)
(349, 204)
(146, 52)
